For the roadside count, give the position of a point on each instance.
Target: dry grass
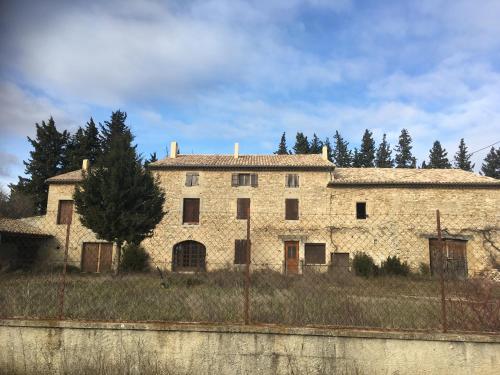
(311, 299)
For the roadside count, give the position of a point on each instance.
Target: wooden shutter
(315, 253)
(191, 211)
(234, 179)
(105, 256)
(243, 208)
(291, 209)
(240, 251)
(90, 256)
(65, 212)
(254, 179)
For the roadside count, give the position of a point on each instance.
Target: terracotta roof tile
(26, 226)
(73, 176)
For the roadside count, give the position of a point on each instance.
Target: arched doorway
(188, 256)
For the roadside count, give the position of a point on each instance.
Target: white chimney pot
(324, 153)
(85, 165)
(236, 150)
(173, 150)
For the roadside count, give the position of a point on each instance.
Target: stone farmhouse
(304, 214)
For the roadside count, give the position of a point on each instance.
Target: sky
(208, 73)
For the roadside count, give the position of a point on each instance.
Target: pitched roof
(309, 161)
(70, 177)
(405, 177)
(23, 227)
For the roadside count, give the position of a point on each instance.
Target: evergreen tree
(46, 160)
(118, 199)
(423, 165)
(316, 145)
(462, 157)
(366, 154)
(341, 155)
(383, 158)
(438, 157)
(84, 144)
(491, 165)
(152, 159)
(282, 148)
(404, 157)
(301, 144)
(356, 159)
(329, 150)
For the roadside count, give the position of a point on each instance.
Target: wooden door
(105, 257)
(292, 257)
(90, 257)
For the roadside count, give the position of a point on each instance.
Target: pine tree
(383, 158)
(316, 145)
(152, 159)
(462, 158)
(118, 199)
(404, 157)
(366, 154)
(282, 148)
(301, 144)
(438, 157)
(329, 150)
(491, 165)
(46, 160)
(84, 144)
(341, 155)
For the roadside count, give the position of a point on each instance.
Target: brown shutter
(234, 179)
(191, 211)
(291, 209)
(254, 178)
(105, 257)
(65, 212)
(315, 253)
(243, 207)
(240, 251)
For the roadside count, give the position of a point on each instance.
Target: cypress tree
(301, 144)
(404, 157)
(356, 159)
(383, 158)
(282, 147)
(84, 144)
(46, 160)
(438, 157)
(152, 159)
(366, 154)
(462, 157)
(118, 199)
(491, 165)
(341, 155)
(316, 145)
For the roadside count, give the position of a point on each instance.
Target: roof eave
(415, 184)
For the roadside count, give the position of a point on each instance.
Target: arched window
(189, 256)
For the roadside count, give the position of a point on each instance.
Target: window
(65, 212)
(314, 253)
(453, 252)
(244, 179)
(192, 179)
(361, 210)
(189, 256)
(292, 180)
(291, 209)
(240, 251)
(243, 208)
(340, 261)
(191, 211)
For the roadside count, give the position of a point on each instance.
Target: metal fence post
(247, 272)
(442, 257)
(63, 275)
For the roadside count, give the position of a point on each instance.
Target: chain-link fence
(404, 272)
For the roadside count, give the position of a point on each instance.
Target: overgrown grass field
(309, 299)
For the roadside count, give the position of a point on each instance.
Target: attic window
(244, 179)
(192, 179)
(292, 180)
(361, 211)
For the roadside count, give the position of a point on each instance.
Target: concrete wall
(71, 347)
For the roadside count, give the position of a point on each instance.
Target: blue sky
(211, 73)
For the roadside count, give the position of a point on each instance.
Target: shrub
(363, 265)
(134, 258)
(393, 266)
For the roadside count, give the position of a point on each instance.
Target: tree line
(370, 155)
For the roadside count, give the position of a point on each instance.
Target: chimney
(324, 153)
(236, 150)
(85, 165)
(173, 150)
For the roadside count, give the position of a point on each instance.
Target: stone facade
(400, 219)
